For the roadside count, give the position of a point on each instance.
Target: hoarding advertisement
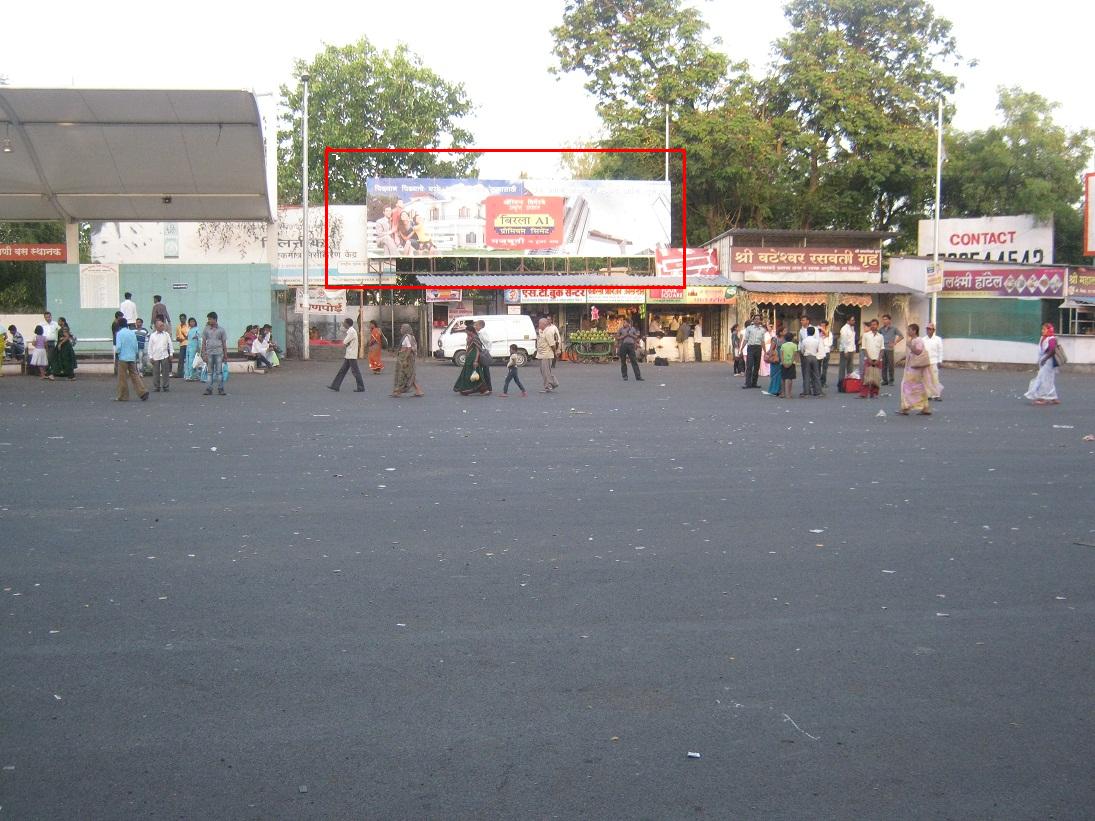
(702, 262)
(576, 218)
(1020, 239)
(1081, 282)
(1041, 282)
(805, 260)
(524, 223)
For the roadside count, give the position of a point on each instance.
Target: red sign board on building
(33, 253)
(701, 261)
(806, 260)
(522, 223)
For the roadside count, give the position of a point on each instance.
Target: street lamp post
(306, 305)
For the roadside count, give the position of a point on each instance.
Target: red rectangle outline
(328, 151)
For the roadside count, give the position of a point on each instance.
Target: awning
(827, 288)
(107, 155)
(1079, 302)
(546, 281)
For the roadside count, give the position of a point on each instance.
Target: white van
(502, 330)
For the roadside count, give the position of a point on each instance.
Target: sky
(501, 51)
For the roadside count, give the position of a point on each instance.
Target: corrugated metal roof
(132, 154)
(826, 288)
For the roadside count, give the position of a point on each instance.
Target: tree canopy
(362, 97)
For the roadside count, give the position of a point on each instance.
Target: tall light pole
(306, 350)
(667, 142)
(938, 199)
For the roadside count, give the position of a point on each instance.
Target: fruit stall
(590, 346)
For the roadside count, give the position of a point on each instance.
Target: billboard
(996, 239)
(478, 217)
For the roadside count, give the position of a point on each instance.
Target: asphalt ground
(291, 603)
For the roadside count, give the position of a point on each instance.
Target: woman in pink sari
(1043, 387)
(917, 382)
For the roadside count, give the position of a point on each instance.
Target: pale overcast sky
(499, 49)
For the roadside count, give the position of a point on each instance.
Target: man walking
(803, 324)
(627, 339)
(125, 347)
(214, 353)
(159, 311)
(754, 347)
(811, 381)
(933, 345)
(159, 353)
(547, 341)
(349, 359)
(847, 349)
(129, 310)
(890, 337)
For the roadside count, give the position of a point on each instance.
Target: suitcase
(660, 360)
(852, 384)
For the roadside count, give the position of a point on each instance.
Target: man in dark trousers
(627, 340)
(349, 358)
(754, 347)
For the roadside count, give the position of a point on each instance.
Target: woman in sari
(65, 362)
(775, 369)
(917, 381)
(471, 375)
(193, 347)
(405, 363)
(376, 343)
(1043, 387)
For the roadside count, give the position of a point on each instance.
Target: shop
(994, 312)
(706, 309)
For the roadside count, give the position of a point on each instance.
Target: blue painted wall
(240, 294)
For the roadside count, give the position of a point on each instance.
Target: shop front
(706, 311)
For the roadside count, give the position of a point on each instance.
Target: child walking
(38, 358)
(511, 374)
(787, 352)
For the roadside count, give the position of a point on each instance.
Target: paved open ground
(289, 603)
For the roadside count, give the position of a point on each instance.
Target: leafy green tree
(23, 284)
(1027, 165)
(858, 82)
(361, 97)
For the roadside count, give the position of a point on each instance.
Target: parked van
(502, 330)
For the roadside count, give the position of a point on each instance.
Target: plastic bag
(198, 364)
(273, 357)
(224, 373)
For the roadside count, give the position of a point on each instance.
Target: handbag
(772, 357)
(1059, 354)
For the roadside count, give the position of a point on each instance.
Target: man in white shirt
(933, 344)
(808, 350)
(824, 348)
(547, 342)
(129, 310)
(158, 348)
(847, 348)
(349, 358)
(485, 358)
(873, 345)
(49, 331)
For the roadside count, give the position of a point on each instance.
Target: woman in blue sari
(193, 346)
(775, 377)
(472, 377)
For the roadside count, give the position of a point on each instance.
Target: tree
(859, 81)
(361, 97)
(23, 284)
(639, 56)
(1027, 165)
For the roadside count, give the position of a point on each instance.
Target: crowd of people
(759, 350)
(780, 354)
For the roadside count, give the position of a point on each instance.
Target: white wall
(24, 322)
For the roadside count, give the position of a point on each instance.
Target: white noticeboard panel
(99, 286)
